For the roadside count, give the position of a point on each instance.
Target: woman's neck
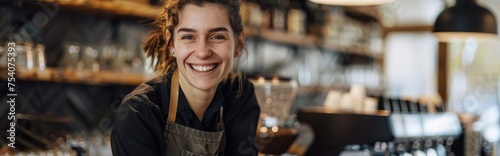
(198, 100)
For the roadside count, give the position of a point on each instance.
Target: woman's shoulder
(146, 94)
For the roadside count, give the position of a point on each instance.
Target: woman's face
(204, 45)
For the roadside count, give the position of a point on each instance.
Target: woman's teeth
(203, 68)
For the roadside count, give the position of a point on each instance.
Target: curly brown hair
(161, 37)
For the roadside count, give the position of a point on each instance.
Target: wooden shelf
(309, 41)
(283, 37)
(420, 28)
(84, 77)
(320, 89)
(118, 8)
(353, 50)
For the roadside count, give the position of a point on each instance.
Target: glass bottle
(267, 14)
(245, 12)
(334, 22)
(296, 19)
(316, 18)
(280, 15)
(40, 55)
(255, 14)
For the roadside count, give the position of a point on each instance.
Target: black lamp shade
(468, 18)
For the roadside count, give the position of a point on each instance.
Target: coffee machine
(398, 127)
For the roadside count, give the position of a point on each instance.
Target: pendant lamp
(466, 20)
(351, 2)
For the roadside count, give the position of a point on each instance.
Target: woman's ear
(171, 48)
(170, 43)
(240, 44)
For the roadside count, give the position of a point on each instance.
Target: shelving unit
(308, 41)
(283, 37)
(145, 11)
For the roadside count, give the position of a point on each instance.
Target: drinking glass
(73, 49)
(90, 58)
(106, 56)
(3, 55)
(24, 58)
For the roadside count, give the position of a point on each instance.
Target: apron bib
(186, 141)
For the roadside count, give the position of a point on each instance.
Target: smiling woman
(181, 111)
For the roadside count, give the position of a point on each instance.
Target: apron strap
(222, 143)
(174, 96)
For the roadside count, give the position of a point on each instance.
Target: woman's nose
(203, 51)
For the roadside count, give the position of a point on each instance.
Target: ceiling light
(466, 20)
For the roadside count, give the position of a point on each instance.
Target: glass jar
(275, 96)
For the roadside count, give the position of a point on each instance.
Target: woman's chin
(204, 85)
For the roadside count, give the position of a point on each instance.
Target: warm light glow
(275, 129)
(352, 2)
(261, 80)
(463, 36)
(263, 129)
(275, 80)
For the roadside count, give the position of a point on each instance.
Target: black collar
(214, 107)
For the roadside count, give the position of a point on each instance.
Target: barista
(198, 106)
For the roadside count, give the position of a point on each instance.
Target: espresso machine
(398, 127)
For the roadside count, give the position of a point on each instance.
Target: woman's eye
(187, 37)
(218, 37)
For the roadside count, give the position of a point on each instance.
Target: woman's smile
(203, 68)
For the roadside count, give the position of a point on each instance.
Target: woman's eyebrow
(186, 30)
(211, 30)
(218, 29)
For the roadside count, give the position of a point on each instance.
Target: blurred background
(76, 60)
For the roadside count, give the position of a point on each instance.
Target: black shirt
(140, 122)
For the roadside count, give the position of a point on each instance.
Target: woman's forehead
(203, 16)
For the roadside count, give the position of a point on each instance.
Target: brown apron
(185, 141)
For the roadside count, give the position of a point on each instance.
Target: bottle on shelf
(334, 21)
(267, 14)
(245, 12)
(280, 14)
(40, 56)
(373, 39)
(315, 18)
(296, 19)
(255, 13)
